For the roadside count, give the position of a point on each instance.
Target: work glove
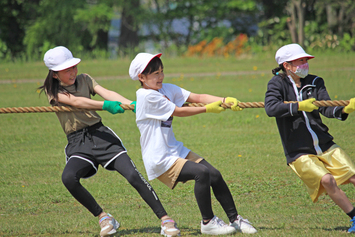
(307, 105)
(113, 107)
(214, 107)
(350, 107)
(135, 106)
(235, 102)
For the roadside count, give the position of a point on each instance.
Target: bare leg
(336, 194)
(352, 180)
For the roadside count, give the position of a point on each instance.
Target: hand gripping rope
(244, 105)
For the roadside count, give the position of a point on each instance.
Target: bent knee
(216, 175)
(328, 180)
(69, 179)
(202, 173)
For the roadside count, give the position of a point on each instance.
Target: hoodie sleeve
(274, 100)
(331, 111)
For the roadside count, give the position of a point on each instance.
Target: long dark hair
(52, 87)
(283, 74)
(153, 66)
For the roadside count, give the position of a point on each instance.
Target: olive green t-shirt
(76, 120)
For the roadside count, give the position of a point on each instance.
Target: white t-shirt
(159, 147)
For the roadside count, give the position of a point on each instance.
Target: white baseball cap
(291, 52)
(139, 63)
(60, 58)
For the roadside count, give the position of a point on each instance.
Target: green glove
(135, 106)
(350, 107)
(307, 105)
(113, 107)
(214, 107)
(235, 102)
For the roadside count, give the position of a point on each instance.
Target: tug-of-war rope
(244, 105)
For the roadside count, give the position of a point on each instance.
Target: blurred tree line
(28, 28)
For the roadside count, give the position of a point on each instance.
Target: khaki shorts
(170, 176)
(311, 169)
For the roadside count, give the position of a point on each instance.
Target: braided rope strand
(43, 109)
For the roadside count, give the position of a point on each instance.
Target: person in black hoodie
(309, 149)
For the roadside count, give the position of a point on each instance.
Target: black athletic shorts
(96, 144)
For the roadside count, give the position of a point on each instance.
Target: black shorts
(96, 144)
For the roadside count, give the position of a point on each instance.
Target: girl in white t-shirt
(169, 160)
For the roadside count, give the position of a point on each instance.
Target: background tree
(130, 13)
(96, 18)
(296, 22)
(55, 26)
(14, 18)
(29, 28)
(340, 15)
(199, 20)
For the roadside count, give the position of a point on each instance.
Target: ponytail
(276, 72)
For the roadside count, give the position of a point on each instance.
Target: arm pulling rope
(41, 109)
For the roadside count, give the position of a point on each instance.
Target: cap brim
(67, 64)
(301, 56)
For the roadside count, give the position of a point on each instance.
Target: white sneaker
(243, 225)
(108, 225)
(216, 226)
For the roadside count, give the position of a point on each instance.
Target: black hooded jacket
(301, 132)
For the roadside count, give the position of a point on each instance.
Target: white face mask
(302, 70)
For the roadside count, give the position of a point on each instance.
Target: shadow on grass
(196, 232)
(154, 230)
(339, 228)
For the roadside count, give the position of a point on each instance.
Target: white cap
(291, 52)
(139, 63)
(60, 58)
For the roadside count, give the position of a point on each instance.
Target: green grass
(244, 146)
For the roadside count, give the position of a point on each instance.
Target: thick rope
(38, 109)
(244, 105)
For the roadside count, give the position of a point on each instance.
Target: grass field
(245, 146)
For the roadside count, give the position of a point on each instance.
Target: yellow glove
(214, 107)
(307, 105)
(235, 102)
(350, 107)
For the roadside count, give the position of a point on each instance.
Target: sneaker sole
(162, 232)
(227, 232)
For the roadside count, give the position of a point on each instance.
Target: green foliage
(242, 5)
(3, 49)
(273, 32)
(55, 24)
(95, 18)
(204, 18)
(347, 43)
(326, 23)
(29, 28)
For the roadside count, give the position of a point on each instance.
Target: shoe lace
(241, 219)
(219, 222)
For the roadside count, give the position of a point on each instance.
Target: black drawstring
(86, 132)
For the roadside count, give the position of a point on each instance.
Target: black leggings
(206, 176)
(77, 168)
